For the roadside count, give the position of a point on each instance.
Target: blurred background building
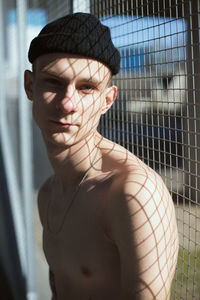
(156, 116)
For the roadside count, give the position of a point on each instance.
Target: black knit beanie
(78, 33)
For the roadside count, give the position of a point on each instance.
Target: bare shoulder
(140, 189)
(43, 197)
(135, 177)
(143, 183)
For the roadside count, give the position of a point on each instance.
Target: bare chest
(80, 255)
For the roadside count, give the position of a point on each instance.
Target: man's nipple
(86, 271)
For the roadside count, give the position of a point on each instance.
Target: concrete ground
(188, 221)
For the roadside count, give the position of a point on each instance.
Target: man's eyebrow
(51, 73)
(92, 79)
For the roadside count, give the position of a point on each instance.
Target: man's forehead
(60, 64)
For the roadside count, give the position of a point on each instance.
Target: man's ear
(28, 84)
(110, 97)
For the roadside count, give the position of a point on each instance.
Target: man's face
(69, 95)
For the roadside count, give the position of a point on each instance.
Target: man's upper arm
(142, 223)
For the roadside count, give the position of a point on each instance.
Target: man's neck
(70, 164)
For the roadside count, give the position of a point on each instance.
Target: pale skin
(118, 239)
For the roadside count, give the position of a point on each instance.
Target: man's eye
(87, 88)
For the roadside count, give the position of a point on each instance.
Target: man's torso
(84, 261)
(77, 244)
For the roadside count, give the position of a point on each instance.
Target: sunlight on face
(69, 96)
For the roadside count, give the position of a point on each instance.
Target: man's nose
(68, 102)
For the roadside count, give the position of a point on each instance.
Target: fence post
(26, 152)
(192, 111)
(7, 153)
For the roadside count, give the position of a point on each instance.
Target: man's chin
(59, 139)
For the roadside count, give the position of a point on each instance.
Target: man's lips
(62, 124)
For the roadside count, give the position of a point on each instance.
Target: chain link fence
(156, 115)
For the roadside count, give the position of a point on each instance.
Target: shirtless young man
(109, 227)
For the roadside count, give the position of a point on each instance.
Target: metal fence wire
(157, 113)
